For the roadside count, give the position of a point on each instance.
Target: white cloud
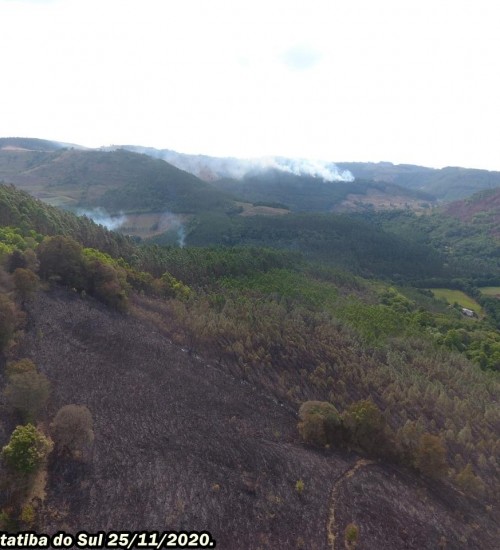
(389, 80)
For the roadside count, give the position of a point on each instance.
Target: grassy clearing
(250, 210)
(452, 296)
(491, 291)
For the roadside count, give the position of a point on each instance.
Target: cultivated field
(491, 291)
(457, 296)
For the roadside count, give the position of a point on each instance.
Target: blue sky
(340, 80)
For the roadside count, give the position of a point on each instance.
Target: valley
(257, 358)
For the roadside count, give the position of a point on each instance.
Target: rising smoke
(100, 215)
(327, 171)
(212, 168)
(175, 224)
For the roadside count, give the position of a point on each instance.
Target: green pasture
(452, 296)
(490, 291)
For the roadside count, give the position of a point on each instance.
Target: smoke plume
(174, 223)
(213, 168)
(327, 171)
(100, 215)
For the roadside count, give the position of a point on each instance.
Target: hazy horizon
(350, 81)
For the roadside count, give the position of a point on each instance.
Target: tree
(320, 423)
(104, 282)
(72, 429)
(25, 282)
(62, 257)
(16, 260)
(470, 482)
(431, 456)
(365, 424)
(27, 392)
(7, 320)
(26, 450)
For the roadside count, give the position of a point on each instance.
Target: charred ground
(181, 444)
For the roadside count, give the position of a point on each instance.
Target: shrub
(27, 393)
(72, 429)
(351, 535)
(300, 486)
(320, 423)
(28, 515)
(26, 450)
(18, 367)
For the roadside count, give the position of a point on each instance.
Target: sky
(339, 80)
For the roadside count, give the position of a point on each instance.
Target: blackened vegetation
(180, 444)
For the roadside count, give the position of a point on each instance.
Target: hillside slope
(181, 445)
(118, 180)
(447, 184)
(296, 183)
(480, 209)
(450, 183)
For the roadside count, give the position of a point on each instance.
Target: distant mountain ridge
(447, 184)
(124, 181)
(140, 181)
(34, 144)
(118, 180)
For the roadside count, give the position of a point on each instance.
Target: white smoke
(181, 234)
(100, 216)
(173, 222)
(213, 168)
(327, 171)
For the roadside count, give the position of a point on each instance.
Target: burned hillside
(180, 444)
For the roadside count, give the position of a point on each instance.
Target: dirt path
(331, 528)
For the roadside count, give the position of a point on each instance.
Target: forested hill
(305, 193)
(447, 184)
(145, 180)
(117, 180)
(20, 210)
(282, 403)
(465, 233)
(336, 240)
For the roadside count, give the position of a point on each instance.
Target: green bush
(351, 535)
(26, 450)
